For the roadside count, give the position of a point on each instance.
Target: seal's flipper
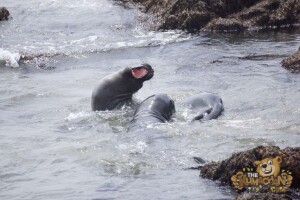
(202, 116)
(194, 168)
(215, 112)
(199, 160)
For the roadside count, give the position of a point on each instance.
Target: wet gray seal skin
(205, 106)
(117, 89)
(157, 108)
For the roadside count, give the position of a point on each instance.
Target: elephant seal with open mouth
(117, 89)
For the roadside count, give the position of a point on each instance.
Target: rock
(222, 15)
(224, 170)
(288, 159)
(225, 25)
(270, 14)
(190, 15)
(224, 8)
(263, 196)
(293, 62)
(4, 14)
(190, 21)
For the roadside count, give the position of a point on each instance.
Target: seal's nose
(149, 69)
(146, 65)
(264, 166)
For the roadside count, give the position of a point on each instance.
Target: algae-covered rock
(222, 15)
(269, 163)
(292, 62)
(225, 25)
(4, 14)
(224, 170)
(263, 196)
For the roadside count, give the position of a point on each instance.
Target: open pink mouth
(139, 72)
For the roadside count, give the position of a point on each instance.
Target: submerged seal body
(117, 89)
(204, 106)
(157, 108)
(152, 112)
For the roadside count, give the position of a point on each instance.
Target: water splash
(9, 59)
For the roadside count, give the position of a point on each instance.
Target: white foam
(243, 123)
(75, 116)
(136, 147)
(10, 59)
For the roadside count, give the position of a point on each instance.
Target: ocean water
(53, 53)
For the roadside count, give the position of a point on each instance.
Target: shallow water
(54, 147)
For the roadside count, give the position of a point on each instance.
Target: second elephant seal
(204, 106)
(157, 108)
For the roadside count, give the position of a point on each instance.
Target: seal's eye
(270, 162)
(261, 166)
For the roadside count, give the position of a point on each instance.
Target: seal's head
(143, 72)
(163, 104)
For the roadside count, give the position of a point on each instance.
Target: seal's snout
(149, 69)
(147, 66)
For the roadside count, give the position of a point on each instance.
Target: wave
(78, 48)
(9, 59)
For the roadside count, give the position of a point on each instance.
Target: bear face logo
(268, 166)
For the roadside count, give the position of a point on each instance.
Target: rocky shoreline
(224, 16)
(221, 15)
(223, 171)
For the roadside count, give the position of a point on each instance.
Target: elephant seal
(154, 110)
(157, 108)
(117, 89)
(204, 106)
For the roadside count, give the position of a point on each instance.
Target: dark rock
(224, 170)
(190, 21)
(286, 14)
(4, 14)
(222, 15)
(225, 25)
(263, 196)
(223, 8)
(187, 15)
(293, 62)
